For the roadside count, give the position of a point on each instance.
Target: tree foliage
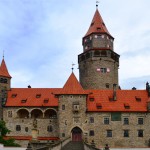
(3, 131)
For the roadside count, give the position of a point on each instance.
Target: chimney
(114, 92)
(29, 86)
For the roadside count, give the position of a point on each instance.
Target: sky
(42, 38)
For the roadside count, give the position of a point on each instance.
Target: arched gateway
(76, 134)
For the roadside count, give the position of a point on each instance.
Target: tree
(3, 131)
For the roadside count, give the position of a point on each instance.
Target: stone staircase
(74, 146)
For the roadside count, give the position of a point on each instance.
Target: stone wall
(12, 119)
(68, 119)
(90, 78)
(118, 140)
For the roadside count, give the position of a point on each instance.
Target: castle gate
(76, 134)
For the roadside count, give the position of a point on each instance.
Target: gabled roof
(30, 97)
(104, 97)
(72, 86)
(97, 25)
(3, 69)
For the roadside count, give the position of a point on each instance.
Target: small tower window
(98, 29)
(18, 128)
(107, 85)
(49, 128)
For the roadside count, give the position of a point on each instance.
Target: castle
(94, 108)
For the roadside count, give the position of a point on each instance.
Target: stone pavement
(74, 146)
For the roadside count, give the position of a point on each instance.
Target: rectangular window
(140, 121)
(140, 133)
(91, 133)
(9, 114)
(18, 128)
(109, 133)
(106, 120)
(126, 133)
(91, 119)
(126, 121)
(63, 107)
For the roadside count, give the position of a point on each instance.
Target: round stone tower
(98, 64)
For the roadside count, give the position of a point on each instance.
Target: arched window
(49, 128)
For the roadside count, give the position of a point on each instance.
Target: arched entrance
(76, 134)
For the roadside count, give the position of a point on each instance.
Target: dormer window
(38, 95)
(138, 99)
(91, 98)
(126, 106)
(99, 106)
(23, 100)
(13, 95)
(46, 100)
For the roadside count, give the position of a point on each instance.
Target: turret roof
(3, 69)
(97, 25)
(72, 86)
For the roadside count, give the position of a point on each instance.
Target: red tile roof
(72, 86)
(29, 138)
(3, 69)
(124, 97)
(29, 94)
(97, 25)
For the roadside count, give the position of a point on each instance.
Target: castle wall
(26, 123)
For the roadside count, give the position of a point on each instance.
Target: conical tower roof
(97, 25)
(72, 86)
(3, 69)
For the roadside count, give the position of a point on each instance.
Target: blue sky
(42, 38)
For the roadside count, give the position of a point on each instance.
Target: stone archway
(76, 134)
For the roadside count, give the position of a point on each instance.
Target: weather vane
(72, 66)
(3, 53)
(97, 4)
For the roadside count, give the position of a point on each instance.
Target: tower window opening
(98, 29)
(107, 85)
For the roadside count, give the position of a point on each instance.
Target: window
(13, 95)
(91, 119)
(140, 133)
(63, 134)
(107, 85)
(140, 120)
(91, 133)
(126, 121)
(26, 129)
(49, 128)
(18, 128)
(103, 70)
(109, 133)
(9, 114)
(38, 95)
(23, 100)
(46, 100)
(126, 133)
(126, 106)
(106, 120)
(99, 105)
(63, 107)
(138, 99)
